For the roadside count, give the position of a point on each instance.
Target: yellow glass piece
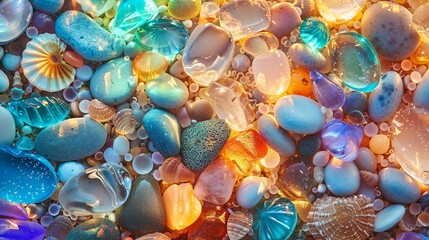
(184, 9)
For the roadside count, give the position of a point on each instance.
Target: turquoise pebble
(299, 114)
(99, 228)
(113, 82)
(314, 32)
(342, 178)
(87, 38)
(69, 170)
(398, 187)
(84, 73)
(11, 62)
(277, 138)
(24, 143)
(388, 217)
(48, 6)
(355, 101)
(167, 92)
(366, 160)
(307, 57)
(4, 82)
(164, 131)
(385, 100)
(421, 95)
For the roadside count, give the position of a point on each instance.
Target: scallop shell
(239, 224)
(100, 111)
(124, 121)
(370, 178)
(174, 171)
(341, 218)
(43, 65)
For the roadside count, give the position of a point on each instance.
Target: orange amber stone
(73, 59)
(245, 150)
(300, 83)
(149, 65)
(211, 225)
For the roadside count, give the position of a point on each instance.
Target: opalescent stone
(39, 112)
(328, 93)
(17, 229)
(231, 103)
(274, 218)
(409, 141)
(342, 140)
(132, 14)
(339, 11)
(99, 189)
(355, 61)
(314, 32)
(96, 7)
(15, 16)
(244, 17)
(271, 72)
(421, 21)
(25, 177)
(206, 64)
(163, 36)
(12, 210)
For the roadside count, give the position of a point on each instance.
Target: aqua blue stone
(132, 14)
(113, 82)
(164, 36)
(12, 210)
(25, 177)
(274, 218)
(39, 112)
(167, 92)
(87, 38)
(47, 6)
(277, 138)
(328, 93)
(16, 229)
(314, 32)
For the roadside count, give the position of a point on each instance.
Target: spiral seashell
(124, 121)
(341, 218)
(173, 170)
(239, 224)
(43, 65)
(100, 111)
(370, 178)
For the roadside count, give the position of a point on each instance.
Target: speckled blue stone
(398, 187)
(277, 138)
(355, 101)
(112, 83)
(87, 38)
(47, 6)
(385, 100)
(421, 95)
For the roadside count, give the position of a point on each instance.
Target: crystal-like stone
(328, 93)
(314, 32)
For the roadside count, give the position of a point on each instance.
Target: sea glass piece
(40, 112)
(25, 177)
(339, 11)
(17, 229)
(211, 224)
(244, 17)
(99, 189)
(296, 178)
(327, 92)
(342, 140)
(163, 36)
(421, 21)
(314, 32)
(96, 7)
(184, 9)
(409, 141)
(206, 64)
(355, 61)
(274, 218)
(259, 43)
(132, 14)
(12, 210)
(231, 103)
(271, 72)
(15, 16)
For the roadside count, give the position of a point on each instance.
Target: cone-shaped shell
(174, 171)
(100, 111)
(341, 218)
(124, 121)
(43, 65)
(239, 224)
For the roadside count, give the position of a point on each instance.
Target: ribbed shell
(341, 218)
(124, 121)
(370, 178)
(43, 65)
(100, 111)
(239, 224)
(173, 170)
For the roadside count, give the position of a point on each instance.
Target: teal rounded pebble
(167, 92)
(398, 187)
(95, 229)
(69, 170)
(277, 138)
(388, 217)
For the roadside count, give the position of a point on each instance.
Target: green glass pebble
(314, 32)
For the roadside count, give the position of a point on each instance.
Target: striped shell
(124, 121)
(100, 111)
(239, 224)
(43, 65)
(370, 178)
(341, 218)
(173, 170)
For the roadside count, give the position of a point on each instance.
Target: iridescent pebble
(7, 127)
(284, 19)
(307, 57)
(200, 110)
(421, 94)
(99, 228)
(366, 160)
(4, 81)
(342, 178)
(167, 92)
(398, 187)
(251, 190)
(276, 137)
(388, 217)
(69, 170)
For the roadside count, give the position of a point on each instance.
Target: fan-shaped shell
(173, 170)
(43, 65)
(100, 111)
(239, 224)
(370, 178)
(124, 121)
(342, 218)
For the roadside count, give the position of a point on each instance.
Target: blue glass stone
(342, 140)
(39, 112)
(327, 93)
(132, 14)
(25, 177)
(17, 229)
(164, 36)
(274, 218)
(12, 210)
(314, 32)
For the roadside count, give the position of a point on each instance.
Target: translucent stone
(99, 189)
(327, 92)
(259, 43)
(96, 7)
(271, 72)
(231, 103)
(163, 36)
(206, 64)
(244, 17)
(314, 32)
(355, 61)
(421, 21)
(409, 141)
(339, 11)
(132, 14)
(15, 16)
